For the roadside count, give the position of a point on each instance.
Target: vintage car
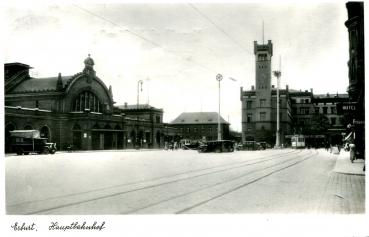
(217, 146)
(29, 141)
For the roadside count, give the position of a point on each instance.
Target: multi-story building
(299, 110)
(199, 126)
(76, 110)
(259, 105)
(356, 64)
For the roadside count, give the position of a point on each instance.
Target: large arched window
(87, 100)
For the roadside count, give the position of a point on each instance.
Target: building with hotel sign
(356, 65)
(78, 110)
(299, 111)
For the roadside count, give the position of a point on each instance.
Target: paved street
(157, 182)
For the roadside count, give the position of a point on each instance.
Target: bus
(298, 141)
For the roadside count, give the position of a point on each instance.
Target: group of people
(171, 145)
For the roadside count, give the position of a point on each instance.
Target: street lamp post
(277, 74)
(139, 82)
(219, 77)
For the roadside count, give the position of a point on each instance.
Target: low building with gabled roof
(200, 126)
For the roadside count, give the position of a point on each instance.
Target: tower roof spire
(263, 31)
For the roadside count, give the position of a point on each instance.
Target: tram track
(187, 176)
(140, 209)
(257, 159)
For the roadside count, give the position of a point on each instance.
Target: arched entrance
(9, 127)
(95, 137)
(119, 137)
(158, 138)
(77, 137)
(140, 138)
(108, 138)
(45, 133)
(132, 137)
(28, 127)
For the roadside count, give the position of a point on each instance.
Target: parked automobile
(29, 141)
(217, 146)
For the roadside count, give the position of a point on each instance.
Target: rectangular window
(158, 119)
(262, 102)
(249, 104)
(317, 110)
(304, 110)
(262, 116)
(262, 57)
(249, 118)
(333, 110)
(325, 110)
(333, 121)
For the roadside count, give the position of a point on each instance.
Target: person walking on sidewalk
(352, 152)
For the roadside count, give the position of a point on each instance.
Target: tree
(319, 124)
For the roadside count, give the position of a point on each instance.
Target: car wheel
(45, 151)
(20, 152)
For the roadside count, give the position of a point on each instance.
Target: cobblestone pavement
(153, 182)
(344, 194)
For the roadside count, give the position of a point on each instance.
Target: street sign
(346, 107)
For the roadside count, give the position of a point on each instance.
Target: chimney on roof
(125, 105)
(311, 90)
(286, 87)
(327, 94)
(252, 88)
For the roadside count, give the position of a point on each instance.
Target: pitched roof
(40, 84)
(135, 107)
(198, 118)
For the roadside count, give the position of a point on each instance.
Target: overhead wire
(218, 27)
(144, 38)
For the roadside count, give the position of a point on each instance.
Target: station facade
(77, 110)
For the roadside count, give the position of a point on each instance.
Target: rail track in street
(134, 197)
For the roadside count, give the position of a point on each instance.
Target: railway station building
(77, 110)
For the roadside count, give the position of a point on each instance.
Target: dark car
(262, 145)
(217, 146)
(28, 141)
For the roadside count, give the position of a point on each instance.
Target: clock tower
(263, 72)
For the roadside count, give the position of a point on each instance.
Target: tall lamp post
(139, 83)
(219, 77)
(277, 74)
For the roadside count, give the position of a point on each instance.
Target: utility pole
(219, 77)
(139, 82)
(278, 74)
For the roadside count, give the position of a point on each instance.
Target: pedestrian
(352, 152)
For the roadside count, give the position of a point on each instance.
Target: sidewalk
(345, 190)
(344, 165)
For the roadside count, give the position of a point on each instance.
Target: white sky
(183, 50)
